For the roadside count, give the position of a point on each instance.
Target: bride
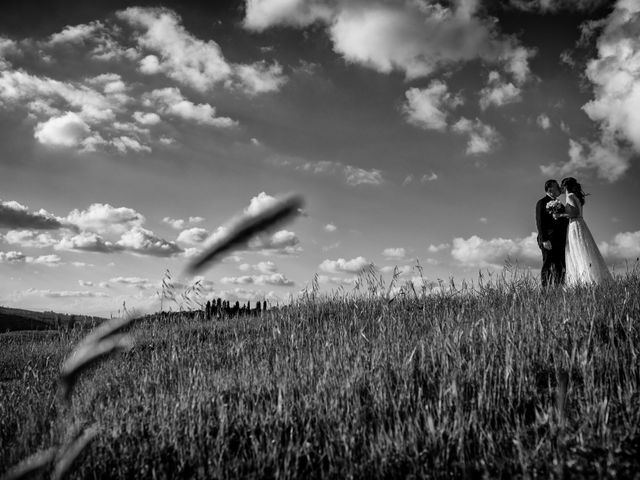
(584, 262)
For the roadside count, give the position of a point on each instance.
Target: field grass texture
(495, 379)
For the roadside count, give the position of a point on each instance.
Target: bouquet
(555, 207)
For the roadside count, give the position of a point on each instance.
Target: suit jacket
(554, 231)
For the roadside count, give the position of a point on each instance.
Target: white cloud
(416, 38)
(134, 282)
(625, 246)
(359, 176)
(196, 219)
(67, 130)
(276, 279)
(176, 223)
(87, 242)
(29, 239)
(432, 177)
(190, 61)
(15, 257)
(330, 227)
(482, 138)
(193, 236)
(182, 57)
(260, 203)
(427, 108)
(408, 179)
(85, 283)
(396, 253)
(543, 121)
(438, 248)
(498, 92)
(478, 252)
(15, 215)
(355, 265)
(48, 260)
(145, 242)
(606, 157)
(75, 33)
(12, 257)
(353, 176)
(170, 101)
(125, 143)
(260, 77)
(615, 75)
(103, 218)
(147, 118)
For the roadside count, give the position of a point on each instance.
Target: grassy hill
(496, 381)
(14, 319)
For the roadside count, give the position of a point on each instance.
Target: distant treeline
(223, 309)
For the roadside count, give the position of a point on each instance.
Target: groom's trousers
(553, 266)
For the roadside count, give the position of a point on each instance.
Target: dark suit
(554, 231)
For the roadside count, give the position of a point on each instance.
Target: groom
(551, 237)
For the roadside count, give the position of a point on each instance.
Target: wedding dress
(584, 262)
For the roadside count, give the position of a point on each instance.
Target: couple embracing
(569, 253)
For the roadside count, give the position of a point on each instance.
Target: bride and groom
(569, 253)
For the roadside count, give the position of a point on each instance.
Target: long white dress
(584, 261)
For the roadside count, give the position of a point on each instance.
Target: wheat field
(493, 379)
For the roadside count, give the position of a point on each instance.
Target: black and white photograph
(319, 239)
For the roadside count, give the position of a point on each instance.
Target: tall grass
(498, 378)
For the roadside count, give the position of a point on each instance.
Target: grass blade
(246, 228)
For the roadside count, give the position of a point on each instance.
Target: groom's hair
(549, 183)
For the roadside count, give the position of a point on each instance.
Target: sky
(419, 132)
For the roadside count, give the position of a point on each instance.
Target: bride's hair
(572, 186)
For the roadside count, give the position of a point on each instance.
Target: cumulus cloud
(134, 282)
(67, 130)
(359, 176)
(104, 218)
(543, 121)
(427, 108)
(416, 38)
(147, 118)
(145, 242)
(191, 61)
(15, 257)
(330, 227)
(29, 239)
(87, 242)
(432, 177)
(16, 215)
(625, 246)
(615, 75)
(498, 92)
(482, 138)
(478, 252)
(75, 33)
(438, 248)
(276, 279)
(355, 265)
(260, 77)
(606, 158)
(85, 283)
(193, 236)
(395, 253)
(82, 113)
(170, 101)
